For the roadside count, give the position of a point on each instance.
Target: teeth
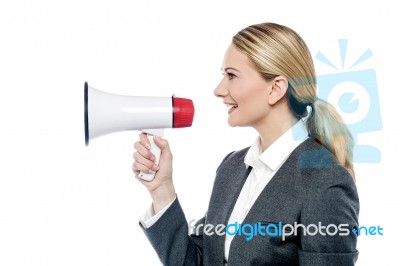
(230, 106)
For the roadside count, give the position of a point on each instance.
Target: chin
(231, 123)
(235, 123)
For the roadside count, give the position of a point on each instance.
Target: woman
(293, 190)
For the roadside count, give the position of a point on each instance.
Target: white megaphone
(107, 113)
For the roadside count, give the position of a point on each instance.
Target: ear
(278, 91)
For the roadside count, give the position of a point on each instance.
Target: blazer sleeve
(331, 204)
(170, 238)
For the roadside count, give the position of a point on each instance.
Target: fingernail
(152, 158)
(148, 146)
(156, 167)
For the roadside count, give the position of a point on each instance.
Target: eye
(230, 75)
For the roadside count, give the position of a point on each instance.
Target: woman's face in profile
(243, 90)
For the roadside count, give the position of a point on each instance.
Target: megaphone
(106, 113)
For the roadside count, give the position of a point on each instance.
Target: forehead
(236, 59)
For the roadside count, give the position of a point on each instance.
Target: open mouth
(231, 107)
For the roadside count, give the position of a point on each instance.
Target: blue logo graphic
(355, 95)
(368, 231)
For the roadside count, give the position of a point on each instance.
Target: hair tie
(299, 108)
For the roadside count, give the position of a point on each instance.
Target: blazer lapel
(230, 179)
(233, 192)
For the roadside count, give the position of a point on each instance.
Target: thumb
(162, 144)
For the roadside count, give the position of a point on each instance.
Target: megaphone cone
(106, 113)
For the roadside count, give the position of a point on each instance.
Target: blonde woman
(290, 198)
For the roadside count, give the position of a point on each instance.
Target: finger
(164, 146)
(137, 168)
(162, 143)
(144, 140)
(144, 151)
(135, 172)
(145, 162)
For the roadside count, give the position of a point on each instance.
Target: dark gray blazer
(309, 188)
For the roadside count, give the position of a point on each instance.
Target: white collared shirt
(264, 166)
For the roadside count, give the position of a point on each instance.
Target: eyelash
(230, 75)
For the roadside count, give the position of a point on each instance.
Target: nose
(221, 90)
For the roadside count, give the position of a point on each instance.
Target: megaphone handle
(157, 152)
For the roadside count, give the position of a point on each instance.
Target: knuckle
(149, 164)
(136, 145)
(135, 155)
(145, 143)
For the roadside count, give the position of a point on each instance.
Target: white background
(62, 203)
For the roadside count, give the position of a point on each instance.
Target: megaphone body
(107, 113)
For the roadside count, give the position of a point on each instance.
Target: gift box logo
(355, 96)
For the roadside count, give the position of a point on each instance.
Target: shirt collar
(277, 153)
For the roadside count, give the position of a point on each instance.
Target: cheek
(253, 96)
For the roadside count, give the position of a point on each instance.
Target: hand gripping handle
(154, 149)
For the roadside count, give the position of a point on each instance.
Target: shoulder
(318, 165)
(232, 167)
(233, 158)
(322, 179)
(235, 155)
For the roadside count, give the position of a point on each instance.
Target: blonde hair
(277, 50)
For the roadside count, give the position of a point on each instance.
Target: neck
(269, 131)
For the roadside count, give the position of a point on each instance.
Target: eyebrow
(230, 68)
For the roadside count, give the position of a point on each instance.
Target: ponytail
(326, 125)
